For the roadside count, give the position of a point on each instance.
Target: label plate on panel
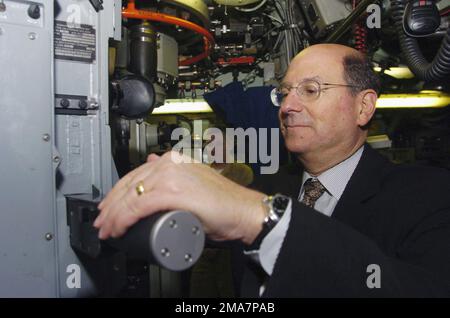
(75, 42)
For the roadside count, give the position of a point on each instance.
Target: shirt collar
(336, 178)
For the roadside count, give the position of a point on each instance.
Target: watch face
(280, 203)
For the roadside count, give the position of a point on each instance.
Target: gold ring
(140, 188)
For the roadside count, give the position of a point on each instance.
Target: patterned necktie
(313, 190)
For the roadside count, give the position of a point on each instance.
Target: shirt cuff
(271, 244)
(267, 254)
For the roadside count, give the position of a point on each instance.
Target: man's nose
(291, 103)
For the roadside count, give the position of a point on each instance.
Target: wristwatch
(276, 207)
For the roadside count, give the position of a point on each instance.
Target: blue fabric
(247, 108)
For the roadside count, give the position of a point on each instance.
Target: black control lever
(173, 240)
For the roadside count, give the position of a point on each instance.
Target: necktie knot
(313, 191)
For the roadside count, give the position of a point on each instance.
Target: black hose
(436, 70)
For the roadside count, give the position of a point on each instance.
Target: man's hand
(227, 210)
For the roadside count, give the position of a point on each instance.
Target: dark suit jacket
(394, 216)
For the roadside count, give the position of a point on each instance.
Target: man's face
(328, 123)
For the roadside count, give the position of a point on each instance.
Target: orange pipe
(132, 13)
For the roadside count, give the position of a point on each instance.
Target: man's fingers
(127, 203)
(124, 220)
(121, 184)
(145, 191)
(131, 211)
(121, 189)
(108, 215)
(145, 180)
(122, 196)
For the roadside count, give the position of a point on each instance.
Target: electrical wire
(264, 35)
(273, 18)
(279, 8)
(263, 2)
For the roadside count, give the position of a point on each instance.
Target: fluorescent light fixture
(425, 99)
(396, 72)
(433, 100)
(180, 106)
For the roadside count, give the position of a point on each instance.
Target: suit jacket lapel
(287, 181)
(292, 181)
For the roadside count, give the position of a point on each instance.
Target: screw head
(32, 36)
(64, 103)
(46, 137)
(48, 236)
(188, 258)
(56, 159)
(173, 224)
(195, 230)
(82, 104)
(165, 252)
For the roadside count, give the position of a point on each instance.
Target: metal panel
(45, 157)
(83, 140)
(323, 13)
(167, 56)
(27, 258)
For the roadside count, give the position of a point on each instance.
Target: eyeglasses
(307, 91)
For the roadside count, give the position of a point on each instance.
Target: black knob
(34, 11)
(64, 103)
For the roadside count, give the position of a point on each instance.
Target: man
(377, 229)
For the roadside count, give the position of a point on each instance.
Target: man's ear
(367, 103)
